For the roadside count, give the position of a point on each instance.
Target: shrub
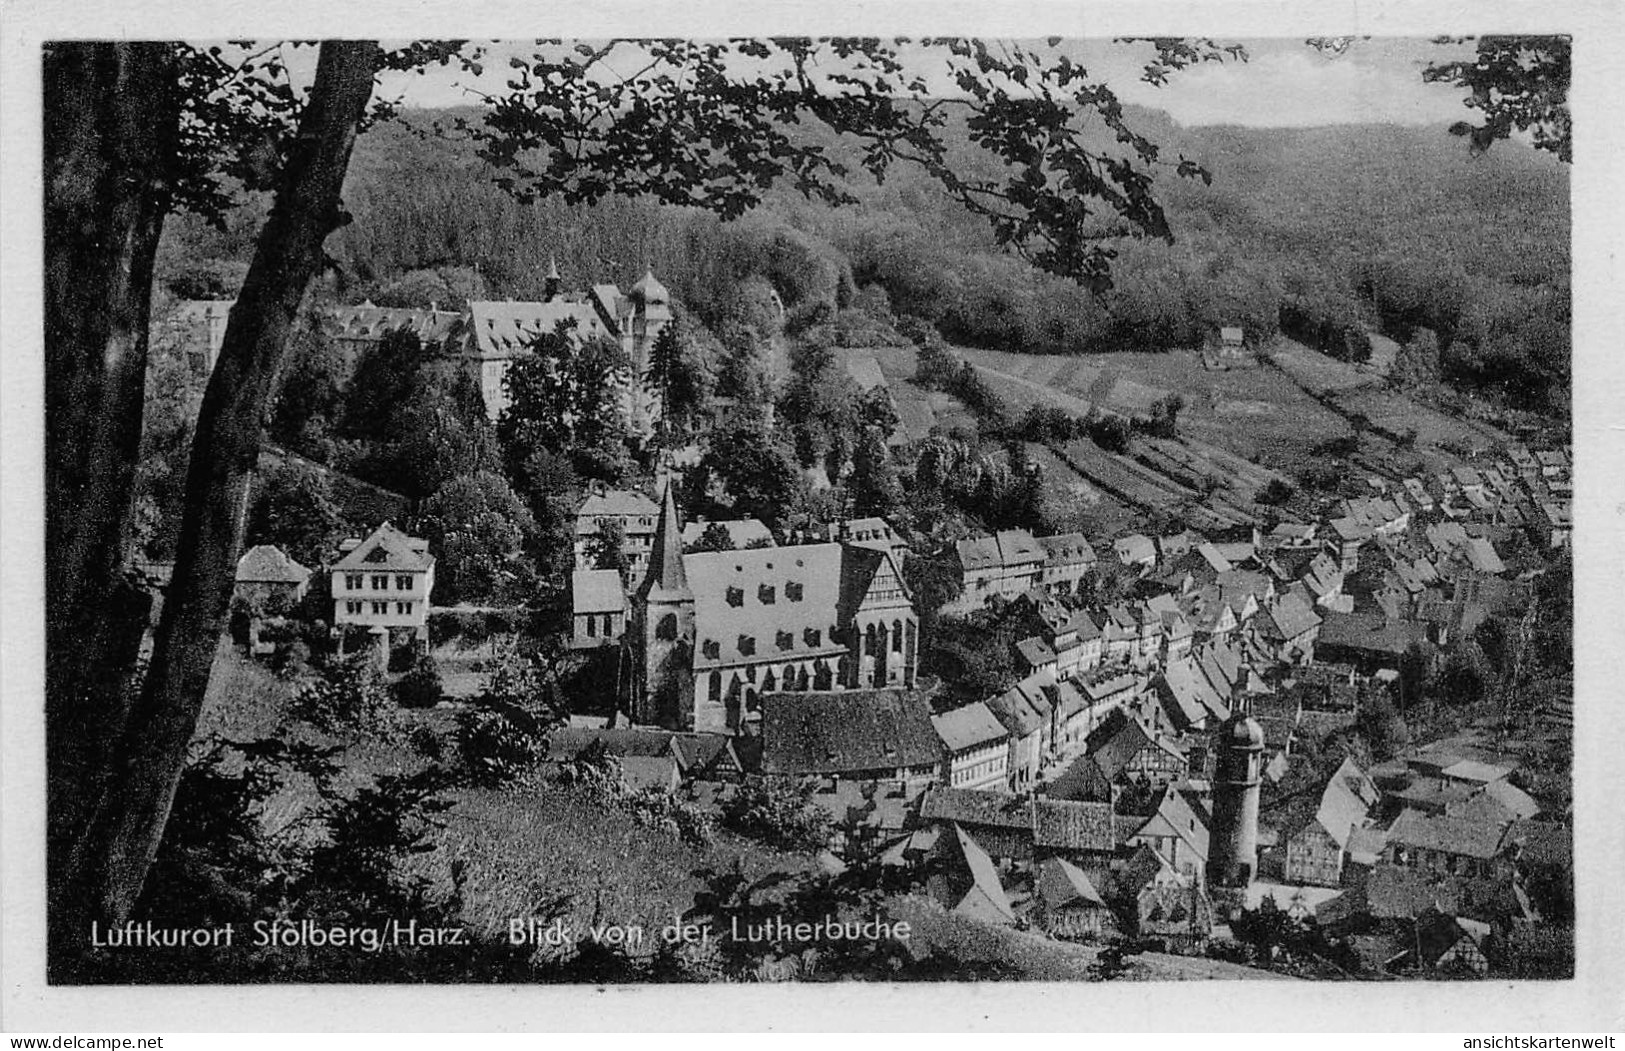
(499, 743)
(348, 695)
(420, 687)
(780, 813)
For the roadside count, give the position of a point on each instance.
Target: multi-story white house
(384, 582)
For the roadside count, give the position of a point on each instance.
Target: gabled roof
(977, 553)
(267, 564)
(387, 550)
(1066, 549)
(614, 503)
(1018, 547)
(1062, 884)
(1473, 770)
(505, 329)
(1448, 835)
(1345, 802)
(1287, 618)
(1191, 695)
(1136, 547)
(985, 900)
(847, 731)
(596, 591)
(1178, 817)
(968, 727)
(1116, 742)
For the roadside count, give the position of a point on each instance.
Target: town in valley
(611, 564)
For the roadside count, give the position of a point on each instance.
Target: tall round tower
(1232, 857)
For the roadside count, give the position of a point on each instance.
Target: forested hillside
(1325, 232)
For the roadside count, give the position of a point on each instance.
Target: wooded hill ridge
(1385, 228)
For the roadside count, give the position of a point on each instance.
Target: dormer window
(747, 645)
(736, 595)
(786, 639)
(793, 591)
(711, 648)
(766, 594)
(813, 637)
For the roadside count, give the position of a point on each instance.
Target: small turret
(554, 285)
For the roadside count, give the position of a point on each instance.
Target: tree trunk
(111, 121)
(113, 856)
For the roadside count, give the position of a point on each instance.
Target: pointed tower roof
(552, 268)
(666, 576)
(650, 290)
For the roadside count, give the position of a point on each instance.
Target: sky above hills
(1284, 83)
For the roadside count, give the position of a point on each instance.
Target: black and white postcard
(1054, 512)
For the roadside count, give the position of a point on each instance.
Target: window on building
(711, 648)
(747, 645)
(609, 624)
(766, 594)
(380, 608)
(812, 637)
(897, 636)
(352, 607)
(666, 628)
(380, 582)
(736, 596)
(403, 582)
(352, 581)
(786, 639)
(403, 608)
(592, 627)
(793, 591)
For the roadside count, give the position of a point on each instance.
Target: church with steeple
(711, 632)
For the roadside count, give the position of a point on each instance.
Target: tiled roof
(1135, 547)
(1472, 770)
(1287, 618)
(505, 329)
(986, 898)
(969, 806)
(596, 591)
(1061, 883)
(1018, 547)
(1066, 549)
(1372, 633)
(1065, 824)
(1448, 835)
(1115, 742)
(568, 742)
(615, 503)
(847, 731)
(968, 727)
(368, 322)
(267, 564)
(1345, 802)
(732, 590)
(386, 550)
(978, 552)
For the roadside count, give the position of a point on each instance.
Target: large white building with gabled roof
(499, 332)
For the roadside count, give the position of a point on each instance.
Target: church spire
(666, 556)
